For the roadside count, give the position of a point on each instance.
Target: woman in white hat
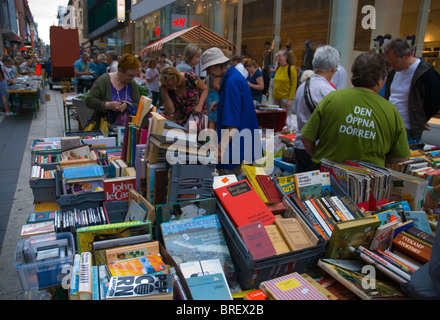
(235, 115)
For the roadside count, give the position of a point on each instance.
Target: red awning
(198, 35)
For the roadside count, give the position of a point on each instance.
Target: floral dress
(185, 104)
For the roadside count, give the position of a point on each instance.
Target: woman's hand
(197, 109)
(116, 106)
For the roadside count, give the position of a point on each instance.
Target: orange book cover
(138, 266)
(243, 205)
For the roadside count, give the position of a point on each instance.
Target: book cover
(383, 236)
(277, 239)
(84, 173)
(257, 240)
(409, 188)
(251, 172)
(137, 266)
(148, 287)
(209, 287)
(221, 181)
(337, 288)
(199, 239)
(255, 295)
(319, 287)
(243, 205)
(355, 233)
(387, 216)
(132, 251)
(88, 235)
(291, 287)
(421, 234)
(95, 283)
(117, 189)
(34, 229)
(308, 185)
(293, 233)
(82, 187)
(420, 219)
(36, 217)
(412, 248)
(353, 280)
(135, 212)
(269, 188)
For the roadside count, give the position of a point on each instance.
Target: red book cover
(117, 189)
(257, 240)
(243, 205)
(269, 188)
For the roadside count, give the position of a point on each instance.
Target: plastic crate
(44, 190)
(185, 176)
(84, 200)
(252, 272)
(46, 166)
(35, 275)
(92, 133)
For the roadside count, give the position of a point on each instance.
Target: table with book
(25, 92)
(127, 215)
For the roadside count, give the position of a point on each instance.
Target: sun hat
(211, 57)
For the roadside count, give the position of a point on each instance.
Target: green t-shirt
(356, 124)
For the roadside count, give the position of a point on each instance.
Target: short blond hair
(171, 76)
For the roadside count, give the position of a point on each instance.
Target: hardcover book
(269, 188)
(251, 173)
(209, 287)
(117, 189)
(277, 239)
(243, 205)
(410, 188)
(291, 287)
(355, 233)
(200, 238)
(353, 280)
(84, 173)
(148, 287)
(412, 248)
(293, 233)
(308, 185)
(257, 240)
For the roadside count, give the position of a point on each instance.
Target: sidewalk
(49, 123)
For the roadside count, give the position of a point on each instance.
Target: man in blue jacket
(413, 86)
(237, 126)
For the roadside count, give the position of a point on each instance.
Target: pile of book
(38, 172)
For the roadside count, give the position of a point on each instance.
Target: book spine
(336, 209)
(95, 283)
(385, 263)
(421, 235)
(103, 281)
(323, 215)
(402, 261)
(330, 209)
(85, 276)
(342, 207)
(74, 278)
(354, 210)
(405, 233)
(318, 218)
(394, 262)
(411, 248)
(368, 259)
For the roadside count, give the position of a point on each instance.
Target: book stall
(119, 221)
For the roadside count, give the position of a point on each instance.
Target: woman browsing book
(115, 96)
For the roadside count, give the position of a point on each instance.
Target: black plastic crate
(69, 202)
(44, 190)
(252, 272)
(185, 176)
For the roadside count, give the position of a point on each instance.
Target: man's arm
(308, 145)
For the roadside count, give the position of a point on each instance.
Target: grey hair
(190, 52)
(326, 58)
(399, 46)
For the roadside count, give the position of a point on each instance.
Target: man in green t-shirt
(357, 123)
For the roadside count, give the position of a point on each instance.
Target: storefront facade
(350, 26)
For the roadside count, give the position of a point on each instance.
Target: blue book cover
(209, 287)
(95, 283)
(93, 171)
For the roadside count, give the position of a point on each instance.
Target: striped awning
(199, 35)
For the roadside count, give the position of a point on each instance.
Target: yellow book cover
(251, 172)
(138, 266)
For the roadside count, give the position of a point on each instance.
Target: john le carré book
(243, 205)
(117, 189)
(200, 238)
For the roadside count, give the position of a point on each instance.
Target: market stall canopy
(198, 35)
